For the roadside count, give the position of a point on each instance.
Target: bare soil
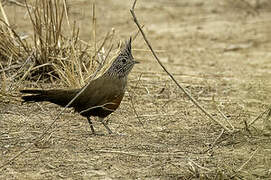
(218, 50)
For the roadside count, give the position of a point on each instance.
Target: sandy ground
(218, 50)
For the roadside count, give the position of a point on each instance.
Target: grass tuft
(53, 50)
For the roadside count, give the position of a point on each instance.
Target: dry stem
(132, 10)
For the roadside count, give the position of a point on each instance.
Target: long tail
(59, 96)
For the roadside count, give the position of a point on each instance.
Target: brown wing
(101, 97)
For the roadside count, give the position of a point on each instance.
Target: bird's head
(124, 62)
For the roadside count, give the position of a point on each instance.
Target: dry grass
(218, 50)
(53, 50)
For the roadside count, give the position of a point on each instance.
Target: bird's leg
(105, 125)
(106, 121)
(91, 125)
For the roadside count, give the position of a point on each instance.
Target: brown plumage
(101, 97)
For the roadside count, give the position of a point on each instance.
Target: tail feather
(59, 96)
(32, 91)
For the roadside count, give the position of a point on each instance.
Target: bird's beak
(136, 62)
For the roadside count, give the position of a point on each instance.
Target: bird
(101, 96)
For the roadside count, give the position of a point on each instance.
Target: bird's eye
(123, 61)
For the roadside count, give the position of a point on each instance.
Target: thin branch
(10, 68)
(225, 117)
(215, 142)
(134, 109)
(6, 20)
(245, 163)
(259, 116)
(191, 163)
(66, 13)
(170, 75)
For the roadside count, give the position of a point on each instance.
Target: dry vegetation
(218, 50)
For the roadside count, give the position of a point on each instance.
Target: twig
(245, 163)
(4, 81)
(16, 3)
(191, 163)
(122, 152)
(17, 155)
(6, 20)
(214, 143)
(102, 46)
(107, 54)
(259, 116)
(170, 75)
(132, 102)
(94, 30)
(133, 107)
(146, 50)
(225, 117)
(10, 68)
(136, 34)
(267, 116)
(101, 64)
(246, 127)
(66, 14)
(140, 154)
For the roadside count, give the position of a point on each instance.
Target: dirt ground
(218, 50)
